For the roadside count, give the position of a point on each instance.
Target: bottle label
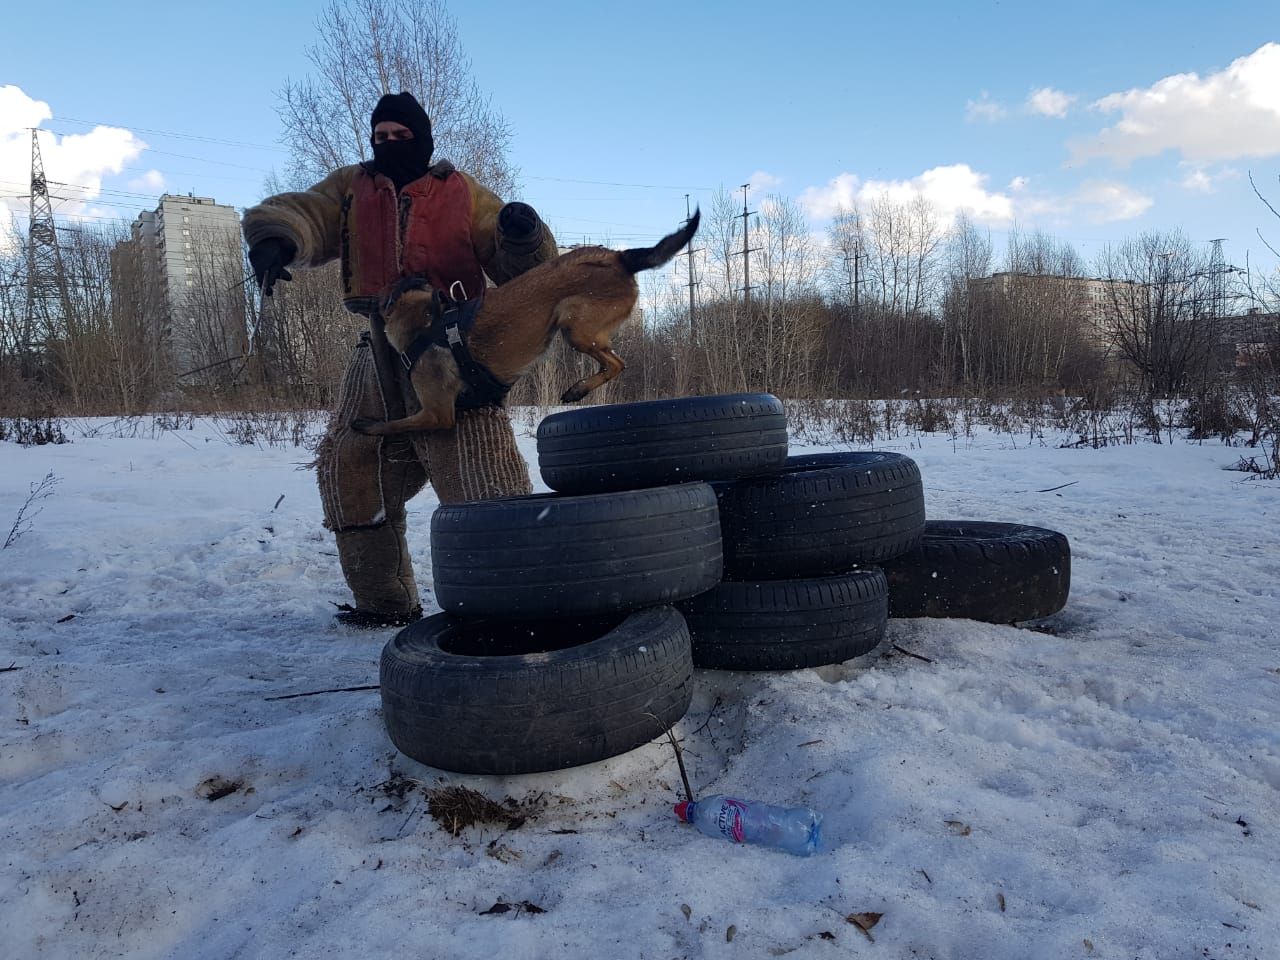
(729, 820)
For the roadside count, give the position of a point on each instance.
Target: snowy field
(1105, 785)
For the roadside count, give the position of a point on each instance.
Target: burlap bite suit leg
(477, 459)
(365, 481)
(364, 485)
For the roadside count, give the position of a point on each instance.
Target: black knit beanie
(403, 108)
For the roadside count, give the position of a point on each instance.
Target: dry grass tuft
(456, 808)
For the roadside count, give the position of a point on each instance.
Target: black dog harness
(451, 322)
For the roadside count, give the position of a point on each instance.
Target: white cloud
(1049, 102)
(1094, 201)
(763, 182)
(18, 111)
(985, 109)
(1106, 201)
(1201, 180)
(1225, 115)
(951, 189)
(150, 182)
(959, 189)
(1198, 181)
(74, 165)
(840, 194)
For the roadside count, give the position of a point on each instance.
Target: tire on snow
(996, 572)
(823, 514)
(787, 624)
(626, 446)
(549, 556)
(502, 697)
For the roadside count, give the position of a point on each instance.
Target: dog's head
(408, 294)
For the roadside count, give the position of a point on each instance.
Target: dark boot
(376, 565)
(349, 616)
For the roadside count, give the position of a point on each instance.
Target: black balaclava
(403, 161)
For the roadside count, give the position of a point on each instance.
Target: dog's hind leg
(422, 420)
(586, 324)
(610, 366)
(436, 384)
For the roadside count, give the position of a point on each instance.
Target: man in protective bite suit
(391, 217)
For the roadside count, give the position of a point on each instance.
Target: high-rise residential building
(179, 277)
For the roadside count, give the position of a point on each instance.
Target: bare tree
(1041, 311)
(1163, 320)
(925, 237)
(13, 281)
(968, 258)
(784, 319)
(723, 312)
(210, 334)
(844, 271)
(138, 348)
(720, 234)
(367, 48)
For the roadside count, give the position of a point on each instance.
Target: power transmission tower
(1217, 274)
(46, 306)
(747, 249)
(689, 252)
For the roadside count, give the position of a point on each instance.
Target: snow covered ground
(1104, 786)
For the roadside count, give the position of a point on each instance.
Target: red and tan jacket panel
(444, 225)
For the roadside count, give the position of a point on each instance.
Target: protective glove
(269, 258)
(520, 227)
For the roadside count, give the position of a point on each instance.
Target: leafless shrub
(279, 428)
(32, 431)
(30, 509)
(173, 421)
(1266, 466)
(1216, 411)
(927, 416)
(850, 422)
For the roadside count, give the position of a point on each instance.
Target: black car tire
(822, 514)
(996, 572)
(549, 556)
(627, 446)
(787, 624)
(503, 697)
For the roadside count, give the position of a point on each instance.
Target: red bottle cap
(682, 810)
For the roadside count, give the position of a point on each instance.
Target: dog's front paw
(363, 425)
(573, 394)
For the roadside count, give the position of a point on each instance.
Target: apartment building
(180, 273)
(1100, 302)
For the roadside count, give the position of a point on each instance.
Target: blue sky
(1091, 121)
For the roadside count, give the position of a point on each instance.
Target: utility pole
(689, 252)
(855, 281)
(46, 282)
(747, 249)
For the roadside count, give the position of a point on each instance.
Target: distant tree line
(890, 302)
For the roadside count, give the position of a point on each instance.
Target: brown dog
(585, 294)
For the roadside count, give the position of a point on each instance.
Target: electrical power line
(259, 146)
(113, 197)
(611, 183)
(173, 134)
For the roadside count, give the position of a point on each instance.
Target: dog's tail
(646, 258)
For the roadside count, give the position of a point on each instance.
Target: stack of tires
(680, 535)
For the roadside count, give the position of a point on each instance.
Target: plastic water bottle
(796, 830)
